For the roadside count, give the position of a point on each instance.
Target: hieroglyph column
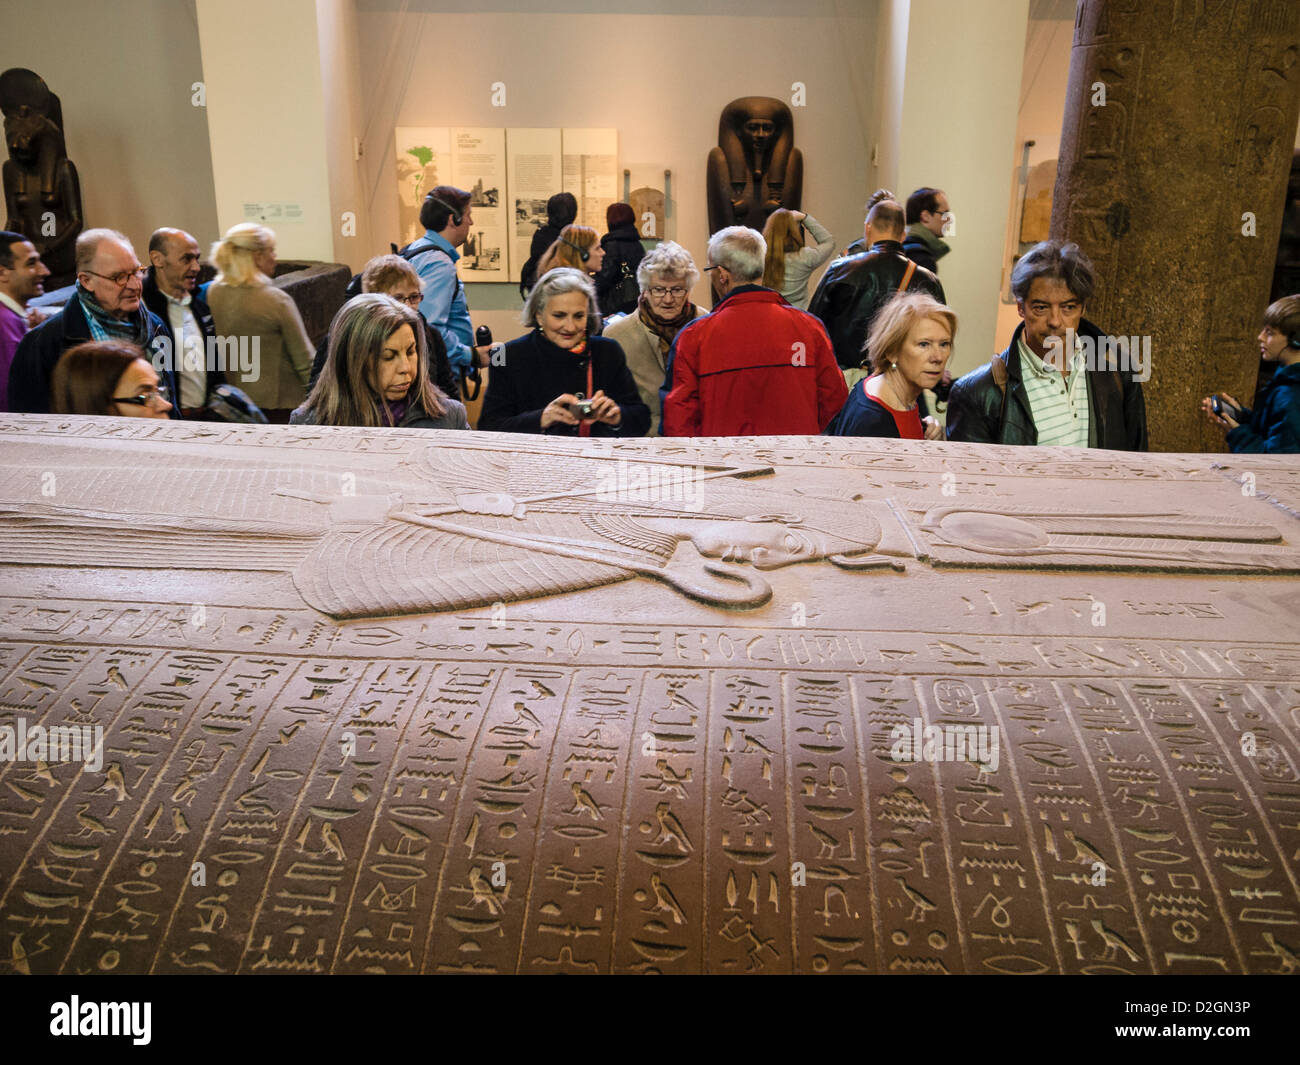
(1180, 120)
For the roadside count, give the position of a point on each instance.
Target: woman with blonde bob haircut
(908, 346)
(245, 304)
(376, 372)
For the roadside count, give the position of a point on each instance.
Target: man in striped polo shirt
(1054, 384)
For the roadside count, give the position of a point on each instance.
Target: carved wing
(398, 568)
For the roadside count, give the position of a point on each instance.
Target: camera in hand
(581, 409)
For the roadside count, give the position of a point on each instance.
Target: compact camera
(581, 409)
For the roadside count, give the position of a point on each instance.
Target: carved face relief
(23, 129)
(759, 131)
(765, 543)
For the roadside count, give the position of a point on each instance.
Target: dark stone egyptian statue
(42, 192)
(755, 169)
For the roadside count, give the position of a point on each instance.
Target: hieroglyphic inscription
(628, 777)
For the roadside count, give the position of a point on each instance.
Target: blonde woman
(245, 303)
(909, 346)
(789, 263)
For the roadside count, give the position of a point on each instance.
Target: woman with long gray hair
(560, 378)
(376, 372)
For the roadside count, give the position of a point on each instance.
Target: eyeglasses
(124, 278)
(659, 292)
(708, 268)
(144, 397)
(412, 300)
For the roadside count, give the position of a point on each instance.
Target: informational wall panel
(423, 161)
(478, 165)
(504, 170)
(591, 172)
(533, 163)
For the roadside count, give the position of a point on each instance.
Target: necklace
(899, 403)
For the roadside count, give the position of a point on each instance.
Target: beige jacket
(648, 367)
(265, 312)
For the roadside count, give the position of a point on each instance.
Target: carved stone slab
(433, 702)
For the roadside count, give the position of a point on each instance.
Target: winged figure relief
(456, 526)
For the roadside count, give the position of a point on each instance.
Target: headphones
(456, 216)
(1294, 340)
(585, 255)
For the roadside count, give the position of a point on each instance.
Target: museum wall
(657, 73)
(123, 72)
(891, 65)
(266, 116)
(1040, 118)
(344, 117)
(961, 87)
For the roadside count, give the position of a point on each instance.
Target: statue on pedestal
(42, 192)
(755, 169)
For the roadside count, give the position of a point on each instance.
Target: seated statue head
(33, 130)
(756, 133)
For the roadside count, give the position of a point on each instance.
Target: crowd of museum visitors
(614, 345)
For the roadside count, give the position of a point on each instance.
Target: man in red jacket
(756, 366)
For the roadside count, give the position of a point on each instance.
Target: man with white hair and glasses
(107, 305)
(756, 366)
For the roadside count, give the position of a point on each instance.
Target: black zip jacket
(980, 411)
(534, 371)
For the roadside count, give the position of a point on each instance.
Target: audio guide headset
(582, 252)
(456, 216)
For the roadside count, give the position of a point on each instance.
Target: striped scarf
(103, 326)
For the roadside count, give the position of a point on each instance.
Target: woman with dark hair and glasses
(377, 372)
(107, 377)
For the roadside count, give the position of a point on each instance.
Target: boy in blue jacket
(1274, 427)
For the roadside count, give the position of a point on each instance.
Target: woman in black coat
(559, 378)
(561, 210)
(616, 285)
